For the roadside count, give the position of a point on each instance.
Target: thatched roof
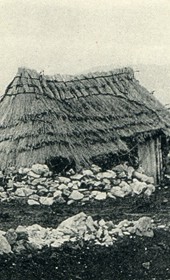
(73, 116)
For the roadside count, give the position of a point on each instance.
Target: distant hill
(156, 78)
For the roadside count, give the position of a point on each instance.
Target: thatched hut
(80, 119)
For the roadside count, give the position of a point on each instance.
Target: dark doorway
(60, 164)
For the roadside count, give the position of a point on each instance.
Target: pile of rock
(74, 229)
(38, 186)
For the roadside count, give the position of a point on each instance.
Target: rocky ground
(138, 258)
(131, 256)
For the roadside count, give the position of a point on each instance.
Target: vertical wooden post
(148, 158)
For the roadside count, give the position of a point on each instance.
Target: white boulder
(101, 196)
(117, 191)
(5, 247)
(40, 169)
(76, 195)
(32, 202)
(46, 200)
(64, 180)
(144, 227)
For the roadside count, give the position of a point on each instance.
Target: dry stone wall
(38, 186)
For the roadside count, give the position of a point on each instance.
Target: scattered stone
(126, 188)
(66, 192)
(64, 180)
(35, 245)
(59, 200)
(73, 222)
(46, 200)
(69, 202)
(23, 171)
(76, 184)
(62, 187)
(43, 192)
(102, 222)
(38, 181)
(1, 175)
(150, 180)
(11, 236)
(90, 224)
(34, 197)
(85, 199)
(143, 177)
(95, 168)
(20, 192)
(94, 193)
(100, 196)
(40, 169)
(52, 189)
(5, 247)
(161, 226)
(76, 195)
(146, 265)
(107, 187)
(84, 191)
(40, 187)
(22, 233)
(116, 182)
(75, 228)
(144, 227)
(77, 177)
(150, 189)
(165, 200)
(110, 174)
(19, 247)
(28, 191)
(120, 168)
(57, 193)
(97, 185)
(106, 175)
(33, 174)
(70, 172)
(32, 202)
(10, 184)
(122, 175)
(111, 195)
(130, 171)
(18, 185)
(117, 191)
(57, 243)
(70, 185)
(1, 189)
(138, 187)
(88, 173)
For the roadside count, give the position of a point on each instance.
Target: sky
(71, 36)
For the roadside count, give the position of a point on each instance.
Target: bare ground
(135, 258)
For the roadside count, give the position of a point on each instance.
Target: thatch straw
(74, 117)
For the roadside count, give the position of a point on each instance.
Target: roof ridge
(69, 86)
(34, 74)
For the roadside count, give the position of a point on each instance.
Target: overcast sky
(70, 36)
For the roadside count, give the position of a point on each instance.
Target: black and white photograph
(84, 140)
